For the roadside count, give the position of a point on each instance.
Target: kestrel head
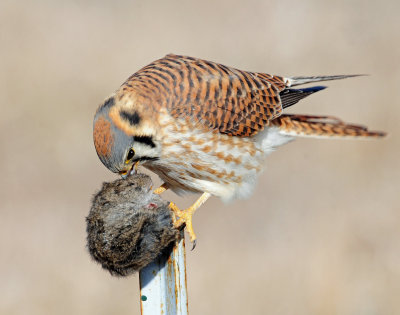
(119, 137)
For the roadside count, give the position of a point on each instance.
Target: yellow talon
(185, 216)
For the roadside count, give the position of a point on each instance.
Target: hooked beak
(133, 170)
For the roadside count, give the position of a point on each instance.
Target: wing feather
(229, 100)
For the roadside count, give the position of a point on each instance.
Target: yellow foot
(185, 216)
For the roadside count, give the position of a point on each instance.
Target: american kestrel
(205, 127)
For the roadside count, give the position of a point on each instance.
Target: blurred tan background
(321, 235)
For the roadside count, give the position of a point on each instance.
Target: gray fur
(128, 226)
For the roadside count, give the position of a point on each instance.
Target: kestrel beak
(133, 170)
(124, 174)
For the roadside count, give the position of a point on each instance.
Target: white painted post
(163, 284)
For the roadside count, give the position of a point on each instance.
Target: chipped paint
(163, 283)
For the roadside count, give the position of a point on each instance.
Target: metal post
(163, 284)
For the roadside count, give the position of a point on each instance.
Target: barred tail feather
(321, 127)
(293, 81)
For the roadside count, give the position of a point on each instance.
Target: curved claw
(185, 216)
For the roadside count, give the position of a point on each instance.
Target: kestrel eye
(130, 155)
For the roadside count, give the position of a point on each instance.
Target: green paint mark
(144, 298)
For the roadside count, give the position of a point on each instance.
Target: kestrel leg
(185, 216)
(161, 189)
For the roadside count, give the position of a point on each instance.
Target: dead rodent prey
(128, 226)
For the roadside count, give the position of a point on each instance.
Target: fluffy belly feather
(195, 160)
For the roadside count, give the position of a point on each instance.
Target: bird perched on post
(204, 127)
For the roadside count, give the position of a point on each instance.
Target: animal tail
(293, 81)
(321, 127)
